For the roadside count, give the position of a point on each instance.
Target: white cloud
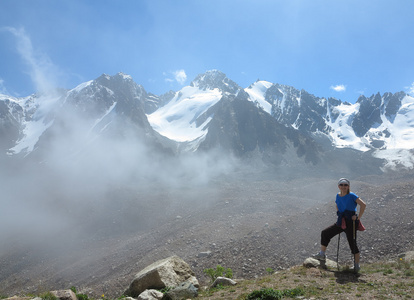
(339, 88)
(3, 89)
(41, 70)
(178, 76)
(411, 89)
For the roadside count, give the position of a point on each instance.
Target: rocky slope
(246, 224)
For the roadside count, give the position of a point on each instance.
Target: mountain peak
(124, 76)
(215, 79)
(117, 77)
(208, 78)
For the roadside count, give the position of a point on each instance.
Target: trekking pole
(337, 252)
(354, 240)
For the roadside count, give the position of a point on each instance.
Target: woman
(348, 221)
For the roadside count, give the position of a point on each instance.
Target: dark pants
(328, 233)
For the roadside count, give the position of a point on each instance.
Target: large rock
(314, 263)
(169, 272)
(65, 295)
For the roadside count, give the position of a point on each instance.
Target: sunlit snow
(177, 119)
(33, 129)
(343, 135)
(257, 93)
(82, 86)
(402, 130)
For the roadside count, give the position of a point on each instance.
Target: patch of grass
(264, 280)
(79, 295)
(271, 294)
(209, 292)
(299, 271)
(82, 297)
(388, 271)
(218, 272)
(48, 296)
(166, 289)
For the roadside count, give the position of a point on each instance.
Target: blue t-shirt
(347, 202)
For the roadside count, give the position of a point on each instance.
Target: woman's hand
(354, 217)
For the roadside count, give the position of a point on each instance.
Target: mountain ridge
(180, 120)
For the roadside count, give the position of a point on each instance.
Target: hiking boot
(319, 256)
(355, 269)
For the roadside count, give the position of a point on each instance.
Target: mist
(79, 181)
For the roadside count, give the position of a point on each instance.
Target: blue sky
(330, 48)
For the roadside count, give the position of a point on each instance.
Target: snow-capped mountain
(184, 118)
(108, 106)
(383, 124)
(213, 111)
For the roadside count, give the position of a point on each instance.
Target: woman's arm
(362, 207)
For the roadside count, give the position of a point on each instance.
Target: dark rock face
(300, 109)
(369, 114)
(10, 114)
(153, 102)
(392, 103)
(285, 109)
(94, 100)
(371, 109)
(312, 111)
(239, 126)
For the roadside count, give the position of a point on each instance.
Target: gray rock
(150, 295)
(204, 254)
(183, 291)
(314, 263)
(223, 281)
(169, 272)
(65, 295)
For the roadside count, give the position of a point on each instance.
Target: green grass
(219, 271)
(48, 296)
(271, 294)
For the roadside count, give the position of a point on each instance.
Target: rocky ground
(244, 224)
(390, 279)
